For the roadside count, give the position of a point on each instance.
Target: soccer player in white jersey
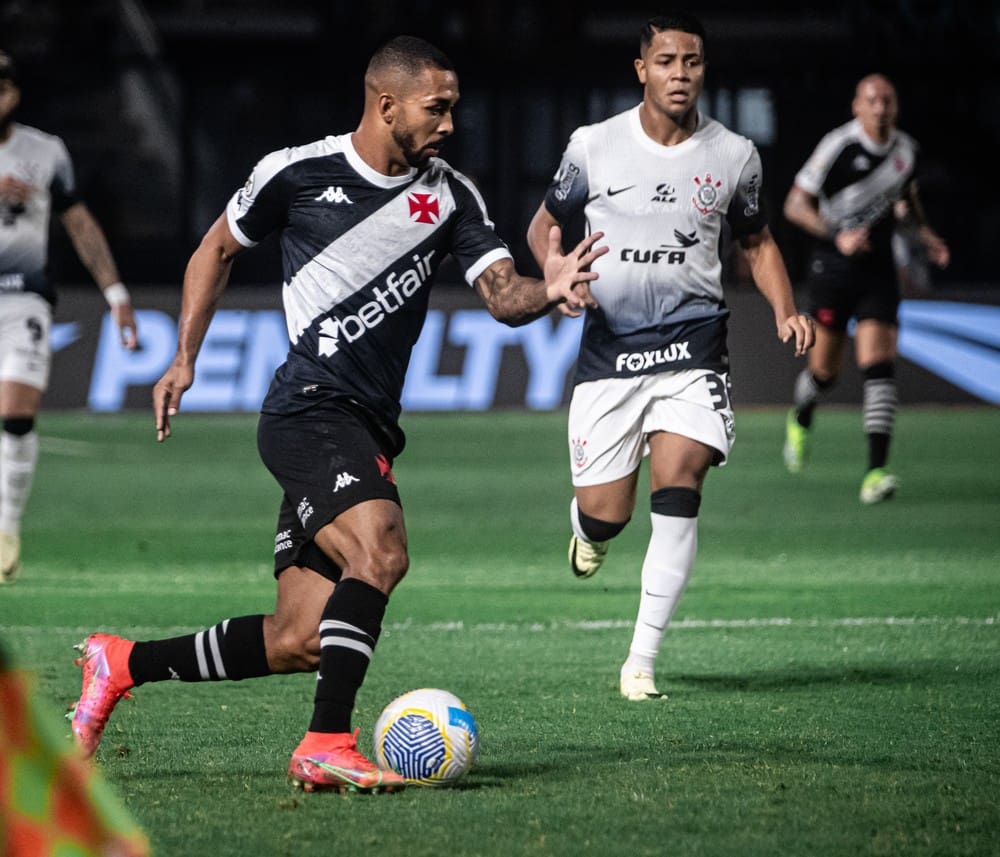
(652, 376)
(365, 219)
(848, 197)
(36, 179)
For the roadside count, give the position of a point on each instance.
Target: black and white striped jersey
(661, 210)
(359, 254)
(857, 181)
(41, 160)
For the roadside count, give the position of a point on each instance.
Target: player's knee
(18, 426)
(597, 530)
(879, 371)
(824, 381)
(384, 566)
(675, 501)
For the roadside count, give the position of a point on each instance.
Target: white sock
(18, 454)
(665, 571)
(574, 521)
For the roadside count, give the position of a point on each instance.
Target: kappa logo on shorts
(343, 480)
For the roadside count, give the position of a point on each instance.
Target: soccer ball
(428, 736)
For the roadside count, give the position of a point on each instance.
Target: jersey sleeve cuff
(483, 262)
(238, 233)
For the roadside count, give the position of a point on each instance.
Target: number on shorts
(719, 388)
(35, 328)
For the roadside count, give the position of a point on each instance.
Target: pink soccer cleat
(331, 762)
(106, 679)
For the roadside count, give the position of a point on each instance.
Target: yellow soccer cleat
(638, 686)
(878, 485)
(586, 557)
(796, 449)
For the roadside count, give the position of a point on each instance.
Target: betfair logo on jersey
(398, 289)
(334, 194)
(639, 360)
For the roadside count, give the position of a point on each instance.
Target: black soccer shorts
(326, 460)
(839, 290)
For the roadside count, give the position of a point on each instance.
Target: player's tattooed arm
(515, 299)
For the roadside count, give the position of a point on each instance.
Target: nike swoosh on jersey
(619, 190)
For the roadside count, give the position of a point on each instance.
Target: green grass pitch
(833, 670)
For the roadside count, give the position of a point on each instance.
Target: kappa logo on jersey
(334, 194)
(578, 449)
(706, 195)
(304, 510)
(343, 480)
(672, 254)
(639, 360)
(398, 288)
(423, 207)
(384, 468)
(565, 178)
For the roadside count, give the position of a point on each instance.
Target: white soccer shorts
(611, 419)
(25, 323)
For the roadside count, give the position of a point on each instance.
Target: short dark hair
(682, 21)
(409, 54)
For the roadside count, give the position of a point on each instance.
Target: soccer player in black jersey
(365, 219)
(36, 181)
(847, 196)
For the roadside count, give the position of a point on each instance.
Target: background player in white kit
(652, 374)
(36, 178)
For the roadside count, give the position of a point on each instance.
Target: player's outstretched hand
(167, 397)
(124, 317)
(567, 277)
(798, 328)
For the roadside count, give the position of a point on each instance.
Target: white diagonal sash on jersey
(357, 257)
(881, 184)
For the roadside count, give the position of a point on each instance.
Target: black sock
(233, 650)
(348, 632)
(878, 450)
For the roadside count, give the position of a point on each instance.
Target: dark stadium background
(166, 104)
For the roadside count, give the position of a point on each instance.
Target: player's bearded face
(415, 155)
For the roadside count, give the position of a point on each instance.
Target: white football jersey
(660, 209)
(41, 160)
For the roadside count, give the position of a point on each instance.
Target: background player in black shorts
(365, 219)
(845, 196)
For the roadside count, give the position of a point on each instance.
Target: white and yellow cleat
(638, 686)
(796, 448)
(878, 486)
(586, 557)
(10, 556)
